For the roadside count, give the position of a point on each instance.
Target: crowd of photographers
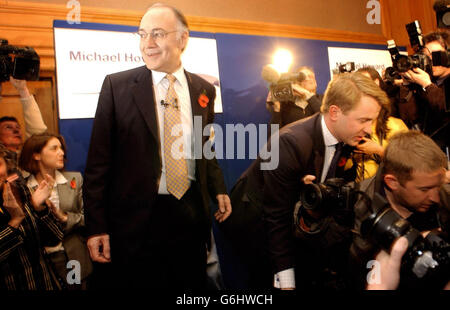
(369, 168)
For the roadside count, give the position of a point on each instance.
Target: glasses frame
(141, 33)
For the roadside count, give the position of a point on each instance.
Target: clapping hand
(10, 203)
(42, 193)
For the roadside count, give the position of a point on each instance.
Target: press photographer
(292, 96)
(19, 65)
(406, 197)
(420, 102)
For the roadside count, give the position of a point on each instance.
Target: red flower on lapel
(203, 99)
(73, 183)
(342, 161)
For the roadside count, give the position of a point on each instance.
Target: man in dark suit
(146, 197)
(309, 150)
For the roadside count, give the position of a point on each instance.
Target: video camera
(20, 63)
(426, 263)
(402, 63)
(281, 85)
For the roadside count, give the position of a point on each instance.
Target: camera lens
(311, 197)
(403, 64)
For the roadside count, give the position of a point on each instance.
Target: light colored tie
(176, 169)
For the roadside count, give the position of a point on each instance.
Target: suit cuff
(285, 279)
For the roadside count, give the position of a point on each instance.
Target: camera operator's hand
(390, 266)
(417, 76)
(301, 92)
(21, 86)
(370, 147)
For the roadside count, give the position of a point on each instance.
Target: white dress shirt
(330, 148)
(160, 87)
(286, 278)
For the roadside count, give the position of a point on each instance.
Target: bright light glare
(282, 60)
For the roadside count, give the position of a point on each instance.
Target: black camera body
(347, 67)
(282, 90)
(335, 197)
(426, 263)
(403, 63)
(336, 192)
(20, 63)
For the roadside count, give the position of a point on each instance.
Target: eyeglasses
(155, 34)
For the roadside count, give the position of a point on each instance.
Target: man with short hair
(309, 149)
(146, 198)
(412, 179)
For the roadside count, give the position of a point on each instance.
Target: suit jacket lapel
(144, 97)
(64, 193)
(194, 93)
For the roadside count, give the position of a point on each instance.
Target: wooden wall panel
(397, 13)
(30, 23)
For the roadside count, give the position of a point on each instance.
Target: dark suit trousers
(173, 253)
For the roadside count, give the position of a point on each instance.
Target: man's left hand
(224, 210)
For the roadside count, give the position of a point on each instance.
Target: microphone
(269, 74)
(166, 104)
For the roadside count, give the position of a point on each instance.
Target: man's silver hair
(182, 25)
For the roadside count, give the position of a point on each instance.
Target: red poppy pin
(73, 184)
(342, 161)
(203, 100)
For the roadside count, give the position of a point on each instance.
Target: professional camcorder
(403, 63)
(426, 263)
(21, 63)
(281, 85)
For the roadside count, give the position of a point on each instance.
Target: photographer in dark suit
(306, 103)
(309, 149)
(146, 197)
(421, 105)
